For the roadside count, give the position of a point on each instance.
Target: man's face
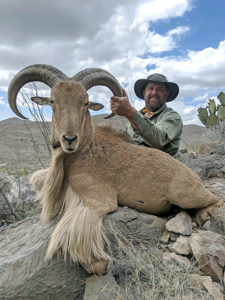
(155, 95)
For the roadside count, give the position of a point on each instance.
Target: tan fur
(104, 169)
(38, 179)
(49, 185)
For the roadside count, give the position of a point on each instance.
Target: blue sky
(206, 23)
(183, 39)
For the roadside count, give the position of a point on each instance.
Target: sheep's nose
(70, 139)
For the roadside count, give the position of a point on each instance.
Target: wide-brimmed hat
(156, 77)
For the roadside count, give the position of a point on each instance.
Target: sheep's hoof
(97, 267)
(204, 214)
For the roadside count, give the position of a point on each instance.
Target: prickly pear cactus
(208, 114)
(221, 108)
(221, 98)
(203, 115)
(212, 121)
(221, 112)
(212, 106)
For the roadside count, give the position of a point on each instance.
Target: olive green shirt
(162, 131)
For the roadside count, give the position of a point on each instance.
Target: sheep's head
(69, 100)
(70, 106)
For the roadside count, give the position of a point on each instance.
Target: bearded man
(156, 125)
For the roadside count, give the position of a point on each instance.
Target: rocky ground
(152, 258)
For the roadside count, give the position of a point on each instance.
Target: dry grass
(141, 274)
(217, 133)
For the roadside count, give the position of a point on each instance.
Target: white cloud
(178, 30)
(161, 9)
(188, 112)
(202, 98)
(197, 71)
(2, 102)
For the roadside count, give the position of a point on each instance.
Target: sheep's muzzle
(69, 143)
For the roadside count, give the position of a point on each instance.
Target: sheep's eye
(51, 101)
(86, 104)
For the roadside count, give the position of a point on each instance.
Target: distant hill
(23, 138)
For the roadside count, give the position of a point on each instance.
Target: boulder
(135, 226)
(217, 224)
(181, 223)
(209, 250)
(24, 272)
(17, 189)
(102, 288)
(206, 283)
(165, 237)
(172, 259)
(206, 166)
(181, 246)
(17, 196)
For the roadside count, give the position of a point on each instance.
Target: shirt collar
(143, 110)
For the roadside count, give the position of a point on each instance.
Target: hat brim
(141, 83)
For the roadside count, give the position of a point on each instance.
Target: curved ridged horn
(95, 76)
(38, 72)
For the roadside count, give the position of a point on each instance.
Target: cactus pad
(221, 112)
(212, 121)
(221, 98)
(203, 114)
(212, 106)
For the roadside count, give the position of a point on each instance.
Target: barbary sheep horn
(95, 76)
(50, 75)
(43, 73)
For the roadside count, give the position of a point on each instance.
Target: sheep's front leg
(79, 232)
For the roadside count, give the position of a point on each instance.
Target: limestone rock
(20, 196)
(217, 186)
(206, 166)
(212, 289)
(181, 223)
(181, 246)
(194, 225)
(102, 288)
(165, 237)
(209, 250)
(207, 225)
(4, 188)
(206, 283)
(18, 190)
(24, 272)
(174, 259)
(135, 225)
(174, 236)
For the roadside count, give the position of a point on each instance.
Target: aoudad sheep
(95, 169)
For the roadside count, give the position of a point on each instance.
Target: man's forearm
(129, 117)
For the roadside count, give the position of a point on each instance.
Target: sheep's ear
(95, 106)
(41, 100)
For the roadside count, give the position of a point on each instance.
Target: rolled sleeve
(160, 134)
